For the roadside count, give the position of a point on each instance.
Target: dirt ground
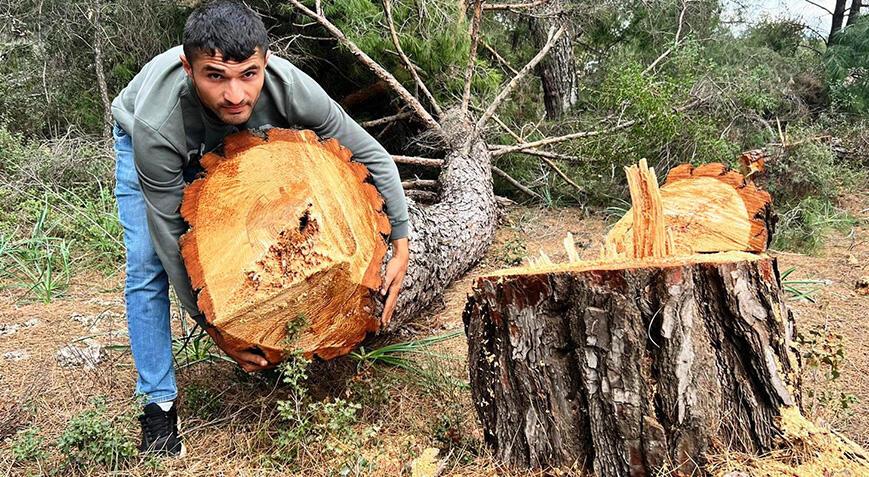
(407, 414)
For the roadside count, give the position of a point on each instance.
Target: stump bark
(654, 357)
(629, 369)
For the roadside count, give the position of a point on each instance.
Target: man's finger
(391, 300)
(387, 280)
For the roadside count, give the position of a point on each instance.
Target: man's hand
(248, 361)
(395, 270)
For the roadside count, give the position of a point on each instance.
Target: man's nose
(233, 94)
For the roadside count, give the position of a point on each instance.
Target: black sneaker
(160, 432)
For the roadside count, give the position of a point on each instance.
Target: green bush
(847, 62)
(93, 438)
(28, 445)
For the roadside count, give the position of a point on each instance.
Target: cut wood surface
(286, 242)
(709, 208)
(655, 359)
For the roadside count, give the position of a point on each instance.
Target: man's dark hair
(224, 26)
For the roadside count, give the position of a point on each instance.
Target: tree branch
(819, 6)
(516, 183)
(585, 134)
(378, 70)
(515, 81)
(423, 196)
(419, 184)
(513, 6)
(500, 58)
(385, 120)
(540, 153)
(395, 41)
(418, 161)
(472, 56)
(543, 155)
(675, 43)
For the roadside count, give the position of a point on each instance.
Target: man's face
(230, 89)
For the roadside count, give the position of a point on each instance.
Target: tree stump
(645, 361)
(286, 243)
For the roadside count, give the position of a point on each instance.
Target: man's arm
(159, 167)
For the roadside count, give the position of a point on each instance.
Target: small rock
(30, 323)
(9, 329)
(87, 356)
(17, 355)
(862, 286)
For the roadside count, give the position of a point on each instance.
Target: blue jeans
(146, 291)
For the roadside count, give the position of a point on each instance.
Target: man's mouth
(235, 109)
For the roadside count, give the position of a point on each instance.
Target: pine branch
(584, 134)
(675, 43)
(395, 41)
(419, 184)
(516, 183)
(513, 6)
(500, 58)
(472, 56)
(515, 81)
(385, 120)
(543, 155)
(418, 161)
(375, 67)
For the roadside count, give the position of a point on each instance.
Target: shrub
(93, 438)
(28, 445)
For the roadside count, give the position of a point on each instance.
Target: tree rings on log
(286, 242)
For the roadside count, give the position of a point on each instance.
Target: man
(182, 103)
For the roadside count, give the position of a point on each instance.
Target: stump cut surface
(286, 241)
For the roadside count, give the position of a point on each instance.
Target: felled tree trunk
(644, 361)
(288, 240)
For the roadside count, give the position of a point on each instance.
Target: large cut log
(286, 244)
(640, 363)
(285, 236)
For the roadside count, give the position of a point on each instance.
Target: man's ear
(266, 61)
(186, 64)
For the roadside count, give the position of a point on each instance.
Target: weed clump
(93, 438)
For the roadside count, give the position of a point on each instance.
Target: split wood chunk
(699, 209)
(286, 242)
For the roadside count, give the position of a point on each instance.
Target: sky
(813, 16)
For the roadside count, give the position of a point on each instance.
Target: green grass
(400, 354)
(40, 264)
(800, 289)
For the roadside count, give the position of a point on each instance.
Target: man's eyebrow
(251, 68)
(213, 68)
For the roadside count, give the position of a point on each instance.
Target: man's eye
(250, 74)
(214, 76)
